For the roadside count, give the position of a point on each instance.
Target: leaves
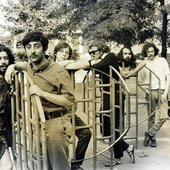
(126, 22)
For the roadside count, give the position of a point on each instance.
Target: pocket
(67, 126)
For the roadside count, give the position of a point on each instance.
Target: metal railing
(29, 139)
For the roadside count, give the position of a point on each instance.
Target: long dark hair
(120, 57)
(9, 53)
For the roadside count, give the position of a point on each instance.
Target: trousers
(158, 119)
(58, 132)
(84, 136)
(121, 145)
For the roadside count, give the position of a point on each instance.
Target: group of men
(53, 85)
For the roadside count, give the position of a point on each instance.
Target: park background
(116, 22)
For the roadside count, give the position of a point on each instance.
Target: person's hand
(9, 74)
(35, 90)
(163, 98)
(125, 75)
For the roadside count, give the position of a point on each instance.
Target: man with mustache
(127, 60)
(55, 89)
(160, 81)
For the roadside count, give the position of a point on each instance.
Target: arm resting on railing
(56, 99)
(11, 70)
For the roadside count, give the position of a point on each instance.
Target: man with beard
(127, 61)
(6, 58)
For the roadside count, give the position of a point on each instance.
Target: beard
(3, 69)
(127, 62)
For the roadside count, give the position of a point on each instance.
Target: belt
(55, 114)
(161, 90)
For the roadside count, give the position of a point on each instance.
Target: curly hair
(36, 36)
(147, 46)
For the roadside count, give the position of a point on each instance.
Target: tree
(27, 17)
(125, 22)
(164, 33)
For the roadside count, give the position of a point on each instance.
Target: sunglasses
(93, 52)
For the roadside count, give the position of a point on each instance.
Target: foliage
(125, 22)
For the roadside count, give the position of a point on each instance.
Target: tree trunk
(164, 35)
(164, 30)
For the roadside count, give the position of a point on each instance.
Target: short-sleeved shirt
(52, 78)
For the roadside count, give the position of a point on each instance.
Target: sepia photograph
(84, 85)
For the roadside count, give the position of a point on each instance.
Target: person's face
(62, 54)
(19, 48)
(34, 52)
(95, 52)
(20, 52)
(150, 53)
(4, 61)
(127, 54)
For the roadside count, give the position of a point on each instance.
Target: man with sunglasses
(102, 59)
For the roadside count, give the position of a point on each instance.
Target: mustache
(4, 65)
(127, 59)
(33, 55)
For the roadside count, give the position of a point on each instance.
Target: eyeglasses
(93, 52)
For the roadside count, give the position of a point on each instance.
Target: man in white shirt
(157, 74)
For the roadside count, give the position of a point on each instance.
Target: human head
(127, 57)
(147, 46)
(36, 36)
(35, 44)
(97, 49)
(6, 58)
(20, 52)
(62, 51)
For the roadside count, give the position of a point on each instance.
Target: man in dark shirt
(6, 58)
(102, 59)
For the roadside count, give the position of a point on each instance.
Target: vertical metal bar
(137, 111)
(23, 121)
(13, 117)
(73, 118)
(150, 96)
(30, 136)
(112, 116)
(18, 138)
(94, 120)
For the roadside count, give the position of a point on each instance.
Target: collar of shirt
(104, 55)
(42, 67)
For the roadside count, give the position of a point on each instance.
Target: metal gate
(29, 140)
